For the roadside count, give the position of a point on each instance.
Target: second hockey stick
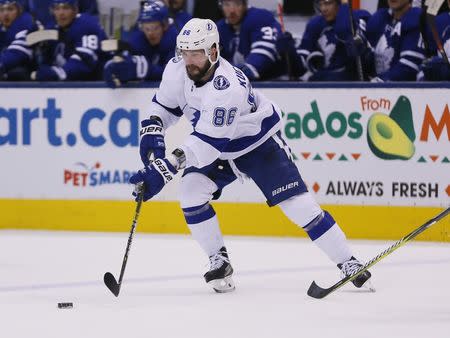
(283, 29)
(316, 291)
(358, 61)
(432, 9)
(108, 278)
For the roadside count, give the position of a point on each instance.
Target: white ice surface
(164, 295)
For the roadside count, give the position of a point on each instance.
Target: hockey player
(236, 133)
(394, 34)
(177, 13)
(40, 9)
(15, 55)
(328, 49)
(152, 46)
(438, 69)
(249, 37)
(76, 55)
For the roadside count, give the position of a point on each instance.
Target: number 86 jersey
(228, 117)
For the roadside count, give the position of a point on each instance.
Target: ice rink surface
(164, 295)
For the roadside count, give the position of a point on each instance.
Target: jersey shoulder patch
(221, 82)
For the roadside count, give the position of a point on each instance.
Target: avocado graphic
(402, 114)
(391, 137)
(387, 140)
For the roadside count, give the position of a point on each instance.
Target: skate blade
(222, 285)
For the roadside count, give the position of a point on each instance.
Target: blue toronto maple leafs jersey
(180, 18)
(398, 45)
(14, 50)
(328, 38)
(153, 59)
(78, 48)
(254, 44)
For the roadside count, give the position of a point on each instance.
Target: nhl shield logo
(221, 82)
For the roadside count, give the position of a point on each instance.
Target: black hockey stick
(359, 67)
(316, 291)
(283, 29)
(108, 278)
(432, 10)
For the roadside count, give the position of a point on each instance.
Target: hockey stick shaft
(432, 9)
(108, 278)
(130, 237)
(316, 291)
(283, 29)
(359, 67)
(437, 38)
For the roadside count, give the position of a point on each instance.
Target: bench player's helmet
(62, 2)
(153, 11)
(20, 3)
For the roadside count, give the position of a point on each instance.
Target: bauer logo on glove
(154, 177)
(163, 170)
(151, 130)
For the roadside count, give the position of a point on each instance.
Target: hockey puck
(65, 305)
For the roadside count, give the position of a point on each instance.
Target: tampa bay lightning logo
(221, 82)
(209, 26)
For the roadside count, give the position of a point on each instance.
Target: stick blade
(111, 283)
(41, 36)
(316, 291)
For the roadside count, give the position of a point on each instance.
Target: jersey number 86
(222, 116)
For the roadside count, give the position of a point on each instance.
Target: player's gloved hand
(154, 177)
(355, 46)
(286, 43)
(152, 139)
(315, 61)
(248, 71)
(49, 73)
(436, 69)
(119, 70)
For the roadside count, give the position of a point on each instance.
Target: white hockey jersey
(228, 117)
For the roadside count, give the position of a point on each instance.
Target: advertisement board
(354, 146)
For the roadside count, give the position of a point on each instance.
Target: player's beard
(196, 73)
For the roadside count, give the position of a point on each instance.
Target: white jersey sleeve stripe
(413, 54)
(24, 50)
(409, 64)
(264, 52)
(268, 45)
(253, 70)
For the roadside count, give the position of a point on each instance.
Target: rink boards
(67, 153)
